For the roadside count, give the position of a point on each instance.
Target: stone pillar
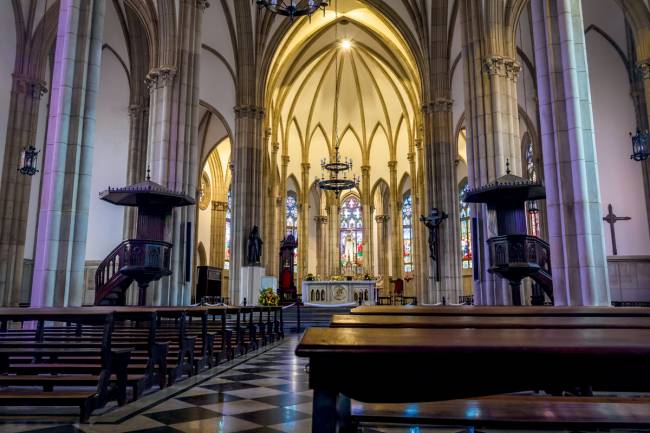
(334, 256)
(423, 273)
(172, 151)
(282, 221)
(492, 121)
(248, 188)
(440, 148)
(573, 206)
(644, 95)
(136, 165)
(218, 233)
(303, 226)
(321, 237)
(382, 247)
(366, 205)
(65, 199)
(395, 218)
(272, 258)
(26, 93)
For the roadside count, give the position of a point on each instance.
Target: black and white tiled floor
(268, 393)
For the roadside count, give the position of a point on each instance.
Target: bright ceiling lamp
(346, 44)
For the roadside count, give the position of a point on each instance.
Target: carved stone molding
(382, 218)
(31, 86)
(137, 110)
(305, 166)
(202, 4)
(418, 143)
(392, 165)
(285, 160)
(365, 170)
(251, 111)
(321, 219)
(410, 156)
(502, 66)
(440, 105)
(160, 77)
(644, 69)
(220, 206)
(276, 146)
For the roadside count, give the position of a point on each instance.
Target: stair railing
(109, 268)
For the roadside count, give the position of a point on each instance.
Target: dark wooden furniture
(607, 359)
(208, 284)
(470, 310)
(513, 322)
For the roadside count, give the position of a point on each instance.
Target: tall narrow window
(351, 236)
(465, 229)
(292, 223)
(407, 230)
(531, 173)
(228, 236)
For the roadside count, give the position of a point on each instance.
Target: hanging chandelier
(293, 8)
(337, 169)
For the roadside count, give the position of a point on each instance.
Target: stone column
(272, 258)
(26, 93)
(65, 199)
(218, 233)
(282, 221)
(136, 165)
(423, 275)
(303, 227)
(644, 93)
(321, 236)
(395, 218)
(492, 121)
(172, 151)
(575, 226)
(334, 256)
(366, 206)
(382, 246)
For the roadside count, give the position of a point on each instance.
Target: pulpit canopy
(508, 188)
(146, 194)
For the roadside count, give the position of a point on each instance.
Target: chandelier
(293, 8)
(337, 170)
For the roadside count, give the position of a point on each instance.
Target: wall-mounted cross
(611, 219)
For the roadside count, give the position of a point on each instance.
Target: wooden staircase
(110, 283)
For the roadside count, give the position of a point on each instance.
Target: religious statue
(254, 247)
(350, 249)
(432, 222)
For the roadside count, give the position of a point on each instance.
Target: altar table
(339, 293)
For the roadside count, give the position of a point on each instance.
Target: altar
(339, 293)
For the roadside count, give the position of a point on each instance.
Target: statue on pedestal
(254, 247)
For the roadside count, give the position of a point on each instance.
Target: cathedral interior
(407, 153)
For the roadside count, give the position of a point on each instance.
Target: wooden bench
(514, 360)
(513, 412)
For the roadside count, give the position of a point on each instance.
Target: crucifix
(432, 222)
(611, 219)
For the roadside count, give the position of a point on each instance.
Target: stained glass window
(465, 229)
(351, 235)
(407, 231)
(228, 243)
(531, 172)
(292, 224)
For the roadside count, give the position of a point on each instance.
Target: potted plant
(269, 298)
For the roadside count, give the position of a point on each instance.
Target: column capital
(438, 105)
(251, 111)
(321, 219)
(365, 170)
(418, 143)
(137, 109)
(31, 86)
(410, 156)
(501, 66)
(644, 69)
(392, 165)
(275, 147)
(285, 160)
(160, 77)
(267, 133)
(305, 166)
(382, 218)
(220, 206)
(202, 5)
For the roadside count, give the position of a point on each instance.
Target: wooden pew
(609, 359)
(113, 362)
(471, 310)
(515, 322)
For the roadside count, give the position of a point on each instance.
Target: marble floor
(264, 392)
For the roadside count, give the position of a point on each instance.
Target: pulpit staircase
(110, 284)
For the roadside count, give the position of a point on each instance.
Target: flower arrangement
(311, 277)
(269, 298)
(338, 278)
(369, 277)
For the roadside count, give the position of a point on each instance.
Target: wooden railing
(519, 250)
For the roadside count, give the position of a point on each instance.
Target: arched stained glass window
(351, 235)
(465, 229)
(407, 230)
(228, 236)
(292, 224)
(531, 173)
